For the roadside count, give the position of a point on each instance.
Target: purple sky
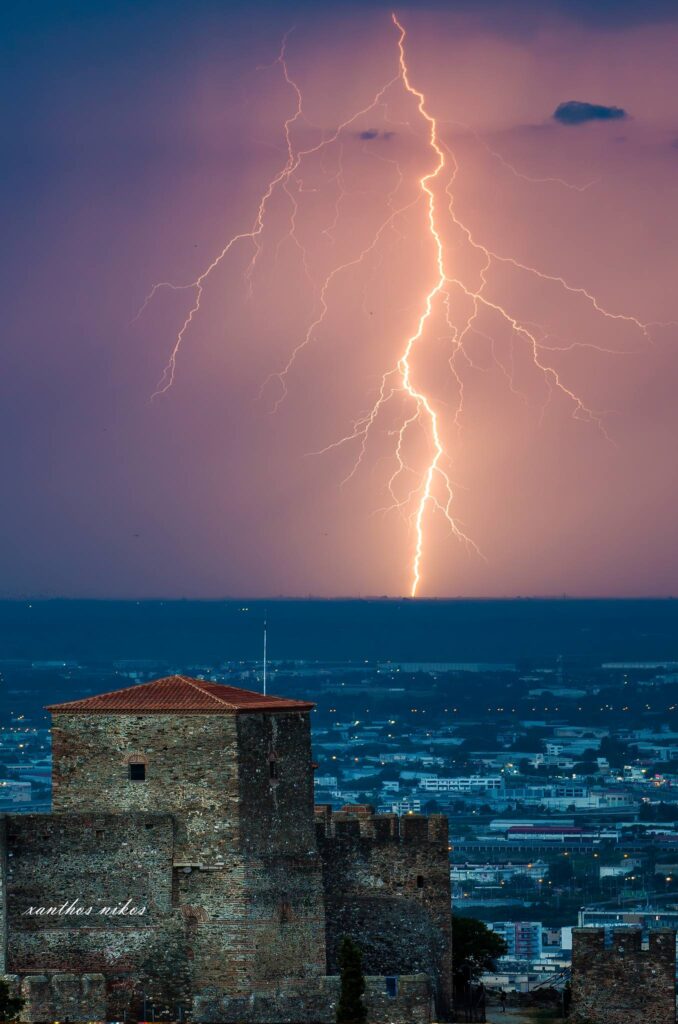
(138, 139)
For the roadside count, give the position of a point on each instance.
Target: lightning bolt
(432, 487)
(423, 403)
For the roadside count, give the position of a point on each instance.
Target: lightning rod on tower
(264, 657)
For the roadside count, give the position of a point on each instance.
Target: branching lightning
(429, 489)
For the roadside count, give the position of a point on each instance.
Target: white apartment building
(462, 784)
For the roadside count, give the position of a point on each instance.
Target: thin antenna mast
(264, 657)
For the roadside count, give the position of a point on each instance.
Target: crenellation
(73, 997)
(344, 826)
(438, 831)
(391, 891)
(360, 820)
(662, 943)
(414, 828)
(619, 981)
(627, 940)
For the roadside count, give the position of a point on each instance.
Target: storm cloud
(373, 133)
(576, 112)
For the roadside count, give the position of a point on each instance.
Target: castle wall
(622, 982)
(217, 852)
(315, 1002)
(78, 861)
(72, 997)
(387, 886)
(3, 894)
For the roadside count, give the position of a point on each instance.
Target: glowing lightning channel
(424, 409)
(282, 178)
(423, 403)
(433, 490)
(167, 379)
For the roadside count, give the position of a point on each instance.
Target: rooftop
(180, 694)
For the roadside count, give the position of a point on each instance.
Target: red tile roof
(180, 694)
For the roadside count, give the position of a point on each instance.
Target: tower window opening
(392, 986)
(273, 769)
(137, 772)
(420, 881)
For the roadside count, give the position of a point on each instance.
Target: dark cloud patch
(374, 133)
(576, 112)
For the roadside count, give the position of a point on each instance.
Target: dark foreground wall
(75, 863)
(387, 886)
(94, 966)
(402, 1000)
(81, 998)
(620, 983)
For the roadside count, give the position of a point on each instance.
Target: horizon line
(381, 598)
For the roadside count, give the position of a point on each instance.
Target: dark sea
(526, 630)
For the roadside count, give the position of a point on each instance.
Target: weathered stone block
(620, 982)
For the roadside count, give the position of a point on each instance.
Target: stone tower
(233, 768)
(181, 872)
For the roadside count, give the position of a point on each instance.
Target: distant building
(462, 784)
(648, 919)
(523, 938)
(406, 806)
(325, 781)
(14, 792)
(439, 667)
(559, 834)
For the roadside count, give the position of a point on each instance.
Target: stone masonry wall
(79, 861)
(72, 997)
(284, 888)
(622, 982)
(191, 772)
(387, 886)
(218, 843)
(315, 1002)
(247, 876)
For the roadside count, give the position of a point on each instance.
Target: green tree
(532, 742)
(10, 1006)
(475, 949)
(658, 812)
(585, 767)
(561, 871)
(616, 752)
(351, 1008)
